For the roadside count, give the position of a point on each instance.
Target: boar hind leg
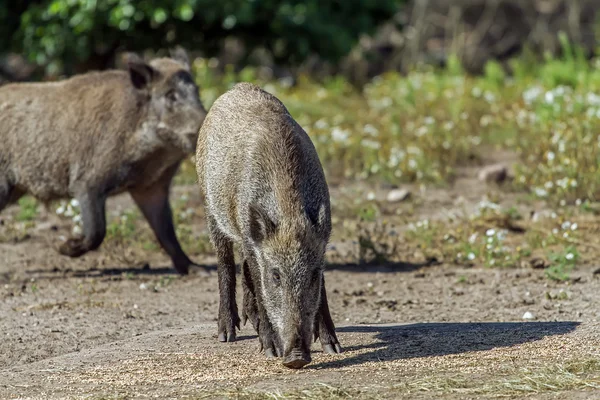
(250, 307)
(324, 328)
(154, 204)
(229, 318)
(94, 226)
(5, 193)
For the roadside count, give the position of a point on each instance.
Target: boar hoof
(223, 337)
(296, 361)
(73, 248)
(270, 353)
(332, 348)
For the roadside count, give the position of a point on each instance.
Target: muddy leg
(94, 226)
(154, 204)
(324, 328)
(228, 313)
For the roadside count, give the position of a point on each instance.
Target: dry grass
(571, 375)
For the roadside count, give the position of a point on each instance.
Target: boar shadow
(385, 267)
(397, 342)
(95, 272)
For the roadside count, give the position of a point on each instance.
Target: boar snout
(297, 358)
(297, 352)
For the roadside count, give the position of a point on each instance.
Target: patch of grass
(28, 209)
(562, 264)
(571, 375)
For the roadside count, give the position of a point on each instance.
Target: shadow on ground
(389, 267)
(438, 339)
(147, 270)
(94, 272)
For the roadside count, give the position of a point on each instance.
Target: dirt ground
(89, 328)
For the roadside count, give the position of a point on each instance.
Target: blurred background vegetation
(356, 38)
(412, 93)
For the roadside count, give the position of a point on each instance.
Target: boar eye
(276, 277)
(171, 95)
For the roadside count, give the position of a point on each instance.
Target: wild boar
(264, 189)
(99, 134)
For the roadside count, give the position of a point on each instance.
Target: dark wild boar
(100, 134)
(264, 188)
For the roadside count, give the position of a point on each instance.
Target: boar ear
(321, 221)
(261, 225)
(179, 54)
(140, 73)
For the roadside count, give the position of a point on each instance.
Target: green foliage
(58, 33)
(27, 209)
(562, 264)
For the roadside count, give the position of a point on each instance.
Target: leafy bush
(59, 33)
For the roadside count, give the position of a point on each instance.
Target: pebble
(398, 195)
(528, 315)
(493, 173)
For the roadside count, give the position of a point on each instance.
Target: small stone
(398, 195)
(528, 315)
(493, 173)
(538, 263)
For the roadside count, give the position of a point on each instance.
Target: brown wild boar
(99, 134)
(264, 188)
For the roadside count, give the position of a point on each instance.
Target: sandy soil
(88, 328)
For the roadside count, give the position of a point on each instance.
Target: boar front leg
(324, 328)
(250, 306)
(254, 309)
(94, 226)
(154, 204)
(228, 313)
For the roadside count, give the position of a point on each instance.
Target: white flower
(370, 144)
(60, 210)
(490, 232)
(429, 120)
(566, 225)
(574, 227)
(371, 130)
(321, 124)
(74, 203)
(76, 230)
(339, 135)
(530, 95)
(473, 238)
(371, 196)
(550, 156)
(471, 256)
(539, 192)
(412, 164)
(549, 97)
(570, 256)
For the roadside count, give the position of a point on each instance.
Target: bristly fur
(264, 188)
(99, 134)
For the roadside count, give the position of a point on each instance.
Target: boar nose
(297, 358)
(296, 355)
